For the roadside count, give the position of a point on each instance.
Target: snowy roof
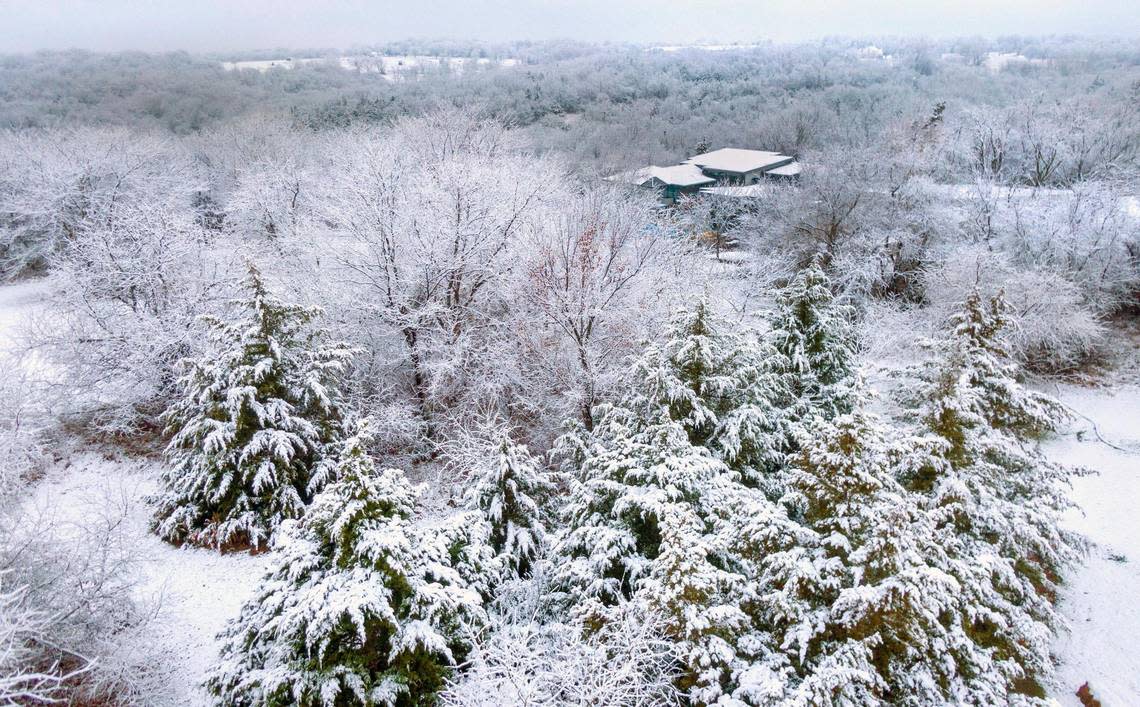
(682, 175)
(737, 160)
(637, 177)
(751, 190)
(789, 170)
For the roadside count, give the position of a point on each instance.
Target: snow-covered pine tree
(508, 489)
(640, 528)
(362, 607)
(694, 597)
(250, 431)
(1006, 404)
(658, 514)
(814, 336)
(859, 605)
(995, 499)
(721, 386)
(632, 471)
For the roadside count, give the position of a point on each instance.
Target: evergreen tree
(658, 514)
(639, 528)
(860, 605)
(813, 335)
(249, 434)
(507, 492)
(996, 500)
(363, 607)
(695, 596)
(633, 472)
(977, 352)
(721, 387)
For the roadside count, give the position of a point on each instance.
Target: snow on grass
(20, 304)
(196, 590)
(17, 302)
(706, 47)
(1129, 205)
(1102, 645)
(16, 298)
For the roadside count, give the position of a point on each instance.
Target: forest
(329, 386)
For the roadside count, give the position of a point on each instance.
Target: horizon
(317, 51)
(264, 25)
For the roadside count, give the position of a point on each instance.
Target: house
(728, 166)
(671, 181)
(736, 166)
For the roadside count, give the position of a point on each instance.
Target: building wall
(671, 193)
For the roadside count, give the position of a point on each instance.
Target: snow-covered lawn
(17, 301)
(196, 591)
(1102, 600)
(20, 303)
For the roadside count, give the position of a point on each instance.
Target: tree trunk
(419, 384)
(587, 405)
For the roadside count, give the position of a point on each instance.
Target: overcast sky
(227, 25)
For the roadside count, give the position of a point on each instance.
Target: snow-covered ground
(17, 301)
(392, 67)
(195, 590)
(999, 61)
(1102, 646)
(706, 47)
(1129, 203)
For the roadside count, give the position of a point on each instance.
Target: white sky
(224, 25)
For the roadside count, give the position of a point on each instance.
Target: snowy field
(17, 301)
(196, 591)
(392, 67)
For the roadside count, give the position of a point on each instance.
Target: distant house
(671, 181)
(729, 166)
(736, 166)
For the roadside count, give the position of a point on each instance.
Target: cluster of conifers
(795, 546)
